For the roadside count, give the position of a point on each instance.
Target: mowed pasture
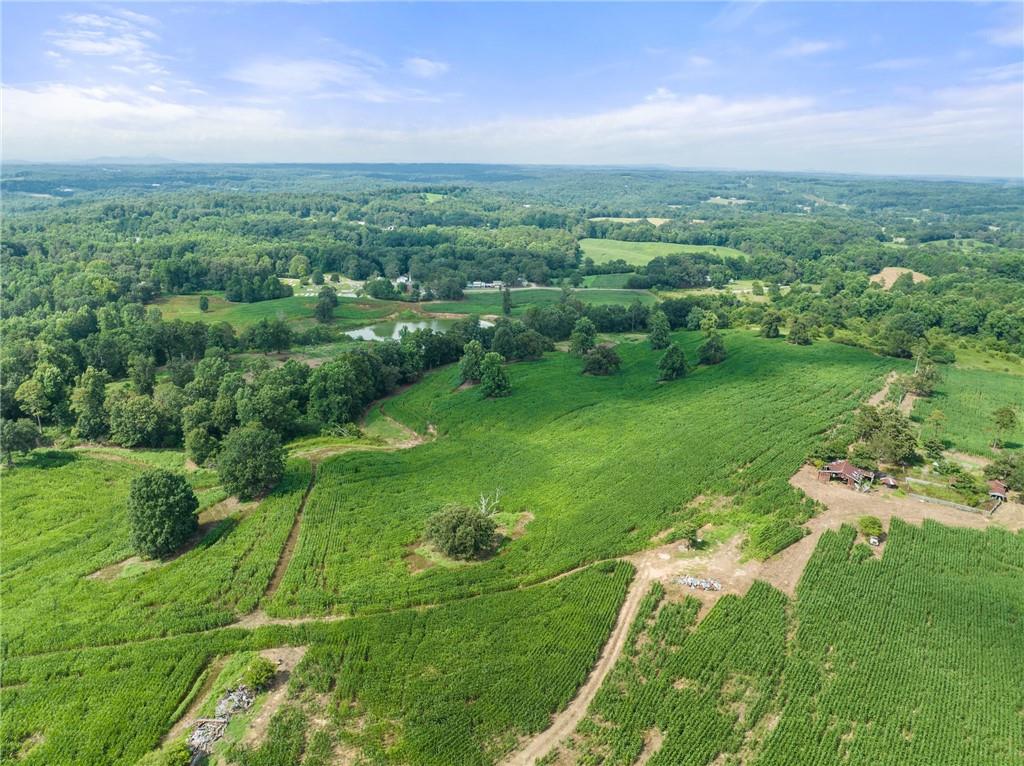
(350, 312)
(968, 398)
(490, 301)
(602, 464)
(641, 253)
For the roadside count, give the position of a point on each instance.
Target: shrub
(870, 526)
(603, 360)
(251, 461)
(461, 532)
(673, 363)
(176, 754)
(161, 512)
(259, 674)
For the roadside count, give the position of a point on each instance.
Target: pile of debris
(699, 582)
(206, 731)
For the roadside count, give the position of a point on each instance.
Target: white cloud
(966, 131)
(354, 78)
(699, 62)
(425, 69)
(800, 48)
(1011, 35)
(898, 64)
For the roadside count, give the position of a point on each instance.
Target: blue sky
(922, 88)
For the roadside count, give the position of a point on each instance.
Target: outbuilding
(845, 471)
(998, 490)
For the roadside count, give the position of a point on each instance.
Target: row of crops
(700, 688)
(913, 659)
(602, 463)
(455, 684)
(72, 522)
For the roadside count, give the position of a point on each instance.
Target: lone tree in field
(583, 338)
(712, 350)
(493, 376)
(161, 512)
(250, 461)
(870, 526)
(1005, 420)
(673, 363)
(461, 532)
(603, 360)
(800, 332)
(771, 323)
(19, 436)
(204, 303)
(326, 302)
(471, 362)
(658, 330)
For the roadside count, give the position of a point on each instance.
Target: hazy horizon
(898, 89)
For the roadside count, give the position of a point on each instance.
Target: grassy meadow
(351, 312)
(967, 398)
(641, 253)
(489, 301)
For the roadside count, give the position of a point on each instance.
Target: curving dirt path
(567, 720)
(726, 564)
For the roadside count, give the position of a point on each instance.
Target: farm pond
(392, 330)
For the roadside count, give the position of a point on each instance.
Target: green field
(968, 397)
(603, 464)
(640, 253)
(351, 312)
(876, 663)
(489, 301)
(614, 281)
(97, 670)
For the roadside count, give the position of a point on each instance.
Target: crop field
(434, 687)
(641, 253)
(489, 301)
(72, 524)
(968, 397)
(885, 658)
(737, 430)
(616, 281)
(351, 312)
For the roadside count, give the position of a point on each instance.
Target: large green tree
(493, 376)
(87, 399)
(461, 532)
(250, 461)
(673, 364)
(161, 512)
(658, 330)
(583, 338)
(603, 360)
(17, 436)
(471, 361)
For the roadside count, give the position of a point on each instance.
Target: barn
(847, 472)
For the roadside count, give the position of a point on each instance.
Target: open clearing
(641, 253)
(650, 220)
(890, 274)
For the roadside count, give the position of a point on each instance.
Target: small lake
(393, 330)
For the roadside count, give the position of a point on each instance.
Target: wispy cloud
(800, 48)
(121, 36)
(425, 69)
(898, 64)
(1010, 35)
(356, 78)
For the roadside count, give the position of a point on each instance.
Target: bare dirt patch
(974, 461)
(113, 571)
(653, 738)
(890, 274)
(286, 657)
(880, 396)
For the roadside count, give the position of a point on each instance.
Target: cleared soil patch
(286, 658)
(890, 274)
(880, 396)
